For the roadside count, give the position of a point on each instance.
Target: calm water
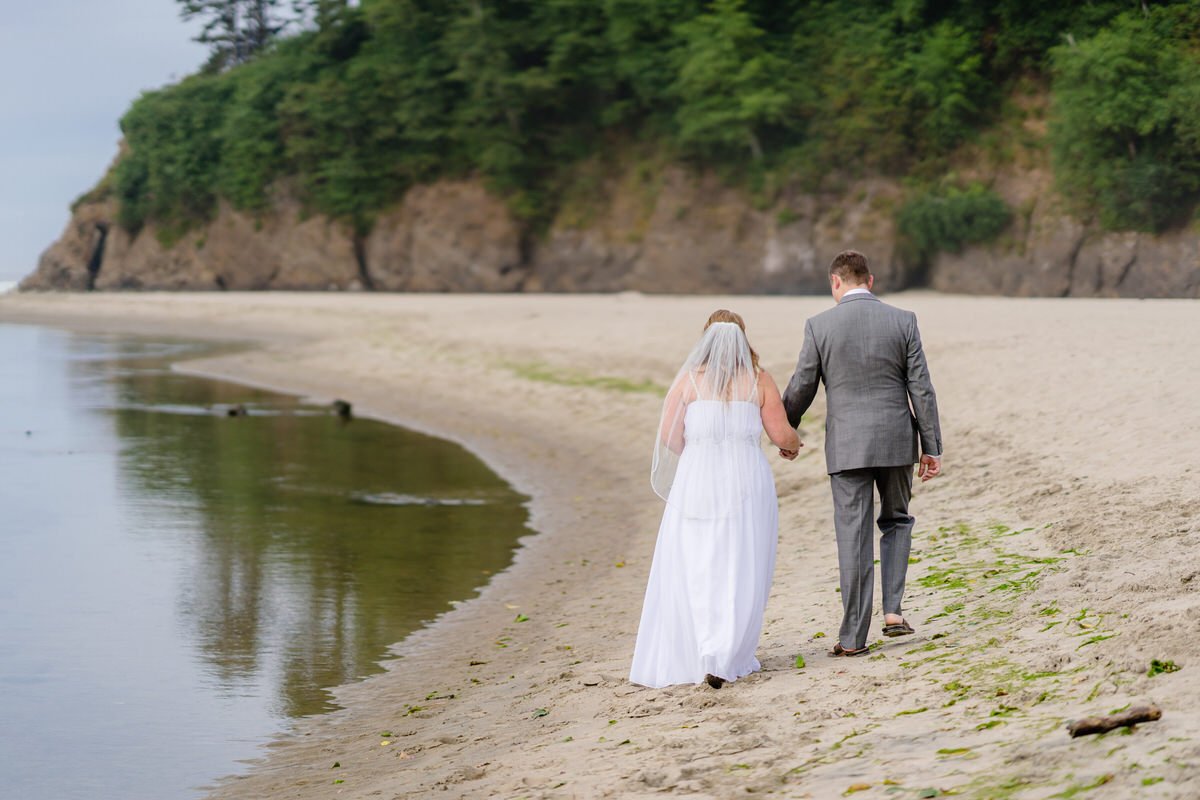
(176, 583)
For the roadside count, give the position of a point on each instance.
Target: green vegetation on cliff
(376, 98)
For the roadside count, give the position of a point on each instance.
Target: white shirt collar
(859, 290)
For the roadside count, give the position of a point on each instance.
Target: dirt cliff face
(662, 230)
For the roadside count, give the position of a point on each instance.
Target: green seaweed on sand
(947, 578)
(1097, 638)
(946, 611)
(954, 751)
(1080, 788)
(989, 788)
(1161, 667)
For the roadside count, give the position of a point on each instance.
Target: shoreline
(522, 381)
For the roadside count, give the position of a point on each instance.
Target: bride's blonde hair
(723, 315)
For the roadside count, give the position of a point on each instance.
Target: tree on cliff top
(236, 29)
(360, 101)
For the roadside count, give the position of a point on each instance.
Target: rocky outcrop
(666, 229)
(444, 237)
(280, 250)
(676, 231)
(73, 260)
(1050, 253)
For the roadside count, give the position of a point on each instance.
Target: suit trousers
(853, 507)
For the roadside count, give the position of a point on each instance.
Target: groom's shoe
(714, 681)
(840, 652)
(901, 628)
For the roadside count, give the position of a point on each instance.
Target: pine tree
(236, 29)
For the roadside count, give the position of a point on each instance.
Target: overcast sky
(68, 70)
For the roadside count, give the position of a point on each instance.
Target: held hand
(929, 468)
(790, 455)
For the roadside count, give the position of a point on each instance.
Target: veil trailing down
(715, 552)
(719, 371)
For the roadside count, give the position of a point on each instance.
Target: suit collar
(850, 298)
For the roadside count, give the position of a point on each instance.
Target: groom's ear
(870, 282)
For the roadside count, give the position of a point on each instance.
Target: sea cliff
(670, 229)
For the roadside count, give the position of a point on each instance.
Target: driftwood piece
(1132, 716)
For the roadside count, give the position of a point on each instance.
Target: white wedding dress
(715, 554)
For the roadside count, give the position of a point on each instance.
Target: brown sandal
(901, 628)
(840, 652)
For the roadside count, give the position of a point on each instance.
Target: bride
(715, 553)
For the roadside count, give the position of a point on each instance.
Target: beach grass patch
(544, 373)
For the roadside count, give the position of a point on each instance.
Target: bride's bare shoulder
(764, 377)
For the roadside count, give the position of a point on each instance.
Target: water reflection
(309, 543)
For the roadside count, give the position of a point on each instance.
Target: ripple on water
(392, 499)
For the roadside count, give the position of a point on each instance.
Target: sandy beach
(1057, 558)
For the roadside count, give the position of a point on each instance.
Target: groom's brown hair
(850, 266)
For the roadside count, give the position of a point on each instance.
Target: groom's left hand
(929, 468)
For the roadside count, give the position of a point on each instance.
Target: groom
(868, 354)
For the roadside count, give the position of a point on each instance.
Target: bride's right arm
(774, 417)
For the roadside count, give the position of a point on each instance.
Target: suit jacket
(880, 400)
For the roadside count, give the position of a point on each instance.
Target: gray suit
(880, 406)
